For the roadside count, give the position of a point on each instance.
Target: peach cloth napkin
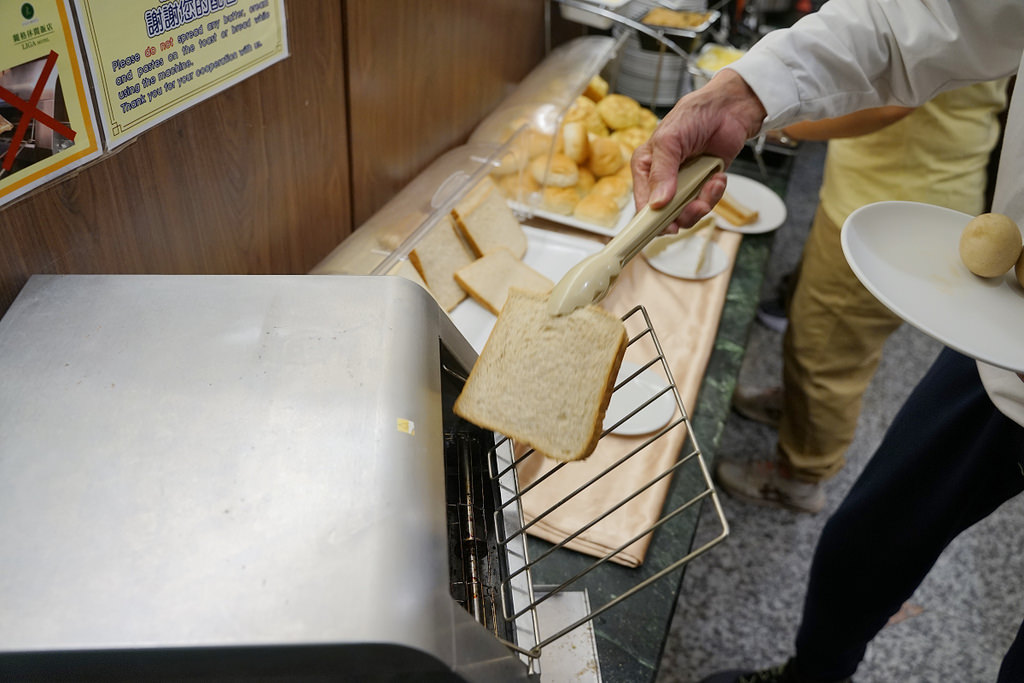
(684, 315)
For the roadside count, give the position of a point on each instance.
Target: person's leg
(831, 350)
(948, 460)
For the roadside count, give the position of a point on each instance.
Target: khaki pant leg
(831, 349)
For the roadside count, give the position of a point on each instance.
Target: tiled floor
(740, 603)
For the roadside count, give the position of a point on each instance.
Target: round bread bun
(586, 180)
(648, 120)
(990, 244)
(597, 209)
(1018, 269)
(626, 173)
(538, 143)
(560, 172)
(605, 156)
(619, 111)
(632, 137)
(614, 188)
(580, 109)
(560, 199)
(575, 141)
(518, 186)
(512, 161)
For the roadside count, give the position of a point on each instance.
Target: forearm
(849, 126)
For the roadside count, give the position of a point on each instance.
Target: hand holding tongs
(589, 280)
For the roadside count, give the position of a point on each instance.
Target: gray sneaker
(768, 482)
(760, 404)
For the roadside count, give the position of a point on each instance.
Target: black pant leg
(948, 460)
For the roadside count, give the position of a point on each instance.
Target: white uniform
(854, 54)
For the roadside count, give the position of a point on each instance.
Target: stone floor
(740, 603)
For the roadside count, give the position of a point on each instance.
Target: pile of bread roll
(583, 169)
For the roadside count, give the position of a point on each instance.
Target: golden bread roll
(1018, 269)
(619, 111)
(575, 141)
(648, 120)
(632, 137)
(586, 180)
(597, 209)
(614, 188)
(538, 143)
(596, 89)
(626, 174)
(561, 200)
(605, 156)
(735, 212)
(518, 186)
(663, 16)
(557, 170)
(511, 162)
(580, 109)
(990, 244)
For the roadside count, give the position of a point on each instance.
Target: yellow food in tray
(662, 16)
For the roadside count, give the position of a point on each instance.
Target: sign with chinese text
(47, 126)
(151, 59)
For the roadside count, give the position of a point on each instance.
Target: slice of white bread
(487, 222)
(732, 210)
(544, 380)
(436, 257)
(489, 278)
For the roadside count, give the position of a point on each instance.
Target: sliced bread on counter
(487, 222)
(490, 277)
(436, 257)
(544, 380)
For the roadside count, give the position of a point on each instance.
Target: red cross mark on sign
(29, 112)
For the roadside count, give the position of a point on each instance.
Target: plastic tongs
(589, 280)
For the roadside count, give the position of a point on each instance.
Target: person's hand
(716, 119)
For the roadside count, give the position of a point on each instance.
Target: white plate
(634, 394)
(770, 207)
(627, 212)
(668, 262)
(549, 253)
(906, 254)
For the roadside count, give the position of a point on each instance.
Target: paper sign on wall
(151, 59)
(47, 126)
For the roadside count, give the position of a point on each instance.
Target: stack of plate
(656, 79)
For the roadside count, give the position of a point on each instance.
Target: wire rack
(513, 517)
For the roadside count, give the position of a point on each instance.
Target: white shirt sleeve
(853, 54)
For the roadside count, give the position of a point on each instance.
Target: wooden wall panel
(423, 74)
(254, 180)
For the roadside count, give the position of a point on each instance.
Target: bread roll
(632, 137)
(598, 210)
(596, 89)
(575, 142)
(561, 200)
(648, 120)
(626, 174)
(614, 188)
(557, 170)
(489, 279)
(605, 156)
(545, 381)
(990, 244)
(619, 111)
(518, 186)
(586, 181)
(436, 257)
(512, 162)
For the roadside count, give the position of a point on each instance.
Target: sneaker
(768, 482)
(772, 315)
(759, 404)
(782, 673)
